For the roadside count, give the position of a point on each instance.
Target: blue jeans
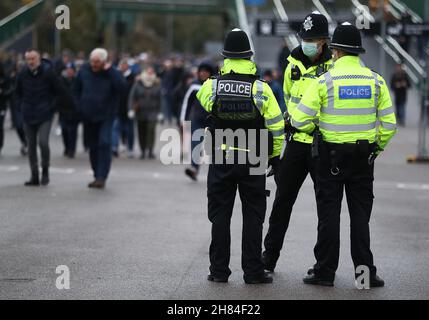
(69, 132)
(400, 112)
(100, 147)
(123, 129)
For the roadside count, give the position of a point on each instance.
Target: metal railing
(416, 73)
(280, 11)
(19, 22)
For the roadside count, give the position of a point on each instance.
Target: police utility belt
(337, 151)
(235, 109)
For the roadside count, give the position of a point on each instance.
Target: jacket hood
(242, 66)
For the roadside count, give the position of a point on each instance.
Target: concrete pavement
(147, 235)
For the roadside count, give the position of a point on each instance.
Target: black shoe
(263, 279)
(24, 151)
(115, 154)
(212, 278)
(312, 278)
(191, 173)
(376, 282)
(34, 180)
(45, 176)
(269, 261)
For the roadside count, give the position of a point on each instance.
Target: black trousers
(222, 183)
(38, 134)
(294, 168)
(356, 176)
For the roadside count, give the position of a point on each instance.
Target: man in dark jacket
(97, 91)
(36, 88)
(400, 83)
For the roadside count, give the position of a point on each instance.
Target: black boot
(34, 180)
(376, 282)
(269, 261)
(314, 279)
(45, 176)
(265, 278)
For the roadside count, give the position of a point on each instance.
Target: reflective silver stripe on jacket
(295, 100)
(258, 95)
(388, 125)
(307, 110)
(330, 88)
(349, 77)
(377, 90)
(214, 90)
(347, 127)
(298, 124)
(277, 133)
(386, 112)
(272, 121)
(348, 111)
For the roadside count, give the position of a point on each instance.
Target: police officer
(237, 99)
(306, 62)
(356, 122)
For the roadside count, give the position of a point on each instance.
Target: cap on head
(347, 38)
(237, 45)
(314, 26)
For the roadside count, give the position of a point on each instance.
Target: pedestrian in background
(400, 83)
(5, 95)
(97, 90)
(276, 87)
(194, 112)
(145, 105)
(123, 127)
(15, 109)
(36, 88)
(69, 115)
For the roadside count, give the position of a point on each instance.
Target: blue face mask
(309, 48)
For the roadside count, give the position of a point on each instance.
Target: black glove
(274, 163)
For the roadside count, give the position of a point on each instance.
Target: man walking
(97, 90)
(36, 88)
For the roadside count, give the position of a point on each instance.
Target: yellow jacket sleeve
(206, 95)
(267, 104)
(304, 115)
(287, 85)
(385, 115)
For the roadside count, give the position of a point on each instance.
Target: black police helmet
(347, 38)
(237, 45)
(315, 26)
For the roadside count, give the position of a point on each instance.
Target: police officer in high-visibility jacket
(237, 99)
(306, 62)
(356, 123)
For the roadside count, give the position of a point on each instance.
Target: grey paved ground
(147, 236)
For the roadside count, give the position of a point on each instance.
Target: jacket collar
(348, 60)
(241, 66)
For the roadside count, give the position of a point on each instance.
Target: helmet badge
(308, 24)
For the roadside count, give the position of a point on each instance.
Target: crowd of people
(77, 90)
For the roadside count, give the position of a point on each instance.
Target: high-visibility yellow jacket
(354, 104)
(263, 97)
(295, 89)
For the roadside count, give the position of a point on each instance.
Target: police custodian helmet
(237, 45)
(315, 26)
(347, 38)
